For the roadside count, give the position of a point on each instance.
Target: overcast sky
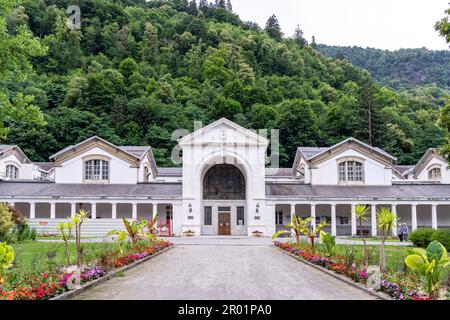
(385, 24)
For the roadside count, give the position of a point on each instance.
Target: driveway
(221, 269)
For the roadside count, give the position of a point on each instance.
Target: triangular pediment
(225, 132)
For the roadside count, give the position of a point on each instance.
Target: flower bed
(45, 286)
(358, 275)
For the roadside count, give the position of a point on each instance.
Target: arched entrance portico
(224, 201)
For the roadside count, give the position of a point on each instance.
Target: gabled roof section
(44, 166)
(224, 122)
(423, 162)
(7, 149)
(72, 151)
(314, 154)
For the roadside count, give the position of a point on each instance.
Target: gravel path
(221, 269)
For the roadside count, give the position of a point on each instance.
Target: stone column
(353, 218)
(434, 220)
(73, 209)
(333, 220)
(114, 210)
(32, 210)
(313, 216)
(52, 210)
(93, 211)
(134, 211)
(414, 217)
(155, 210)
(270, 219)
(292, 217)
(373, 219)
(394, 211)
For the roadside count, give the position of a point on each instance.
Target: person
(400, 232)
(405, 232)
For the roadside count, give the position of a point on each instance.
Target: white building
(224, 187)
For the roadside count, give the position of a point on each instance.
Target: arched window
(224, 182)
(145, 174)
(96, 170)
(12, 172)
(351, 171)
(434, 174)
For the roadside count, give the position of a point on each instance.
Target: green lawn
(39, 256)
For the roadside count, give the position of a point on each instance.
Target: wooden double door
(224, 222)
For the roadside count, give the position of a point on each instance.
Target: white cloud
(385, 24)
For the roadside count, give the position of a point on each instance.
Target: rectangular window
(208, 216)
(351, 171)
(96, 175)
(105, 170)
(88, 170)
(358, 172)
(342, 172)
(240, 216)
(279, 218)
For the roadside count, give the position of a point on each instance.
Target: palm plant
(132, 229)
(386, 222)
(65, 229)
(362, 215)
(77, 221)
(311, 231)
(151, 228)
(294, 226)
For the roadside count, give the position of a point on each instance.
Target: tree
(229, 6)
(18, 48)
(386, 222)
(443, 26)
(273, 28)
(298, 37)
(192, 8)
(362, 215)
(313, 42)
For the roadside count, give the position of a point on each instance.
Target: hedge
(424, 236)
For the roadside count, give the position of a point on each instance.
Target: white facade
(224, 187)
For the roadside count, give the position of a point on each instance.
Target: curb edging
(378, 295)
(70, 294)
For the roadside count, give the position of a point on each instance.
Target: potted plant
(189, 233)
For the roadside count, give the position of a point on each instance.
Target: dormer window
(12, 172)
(434, 174)
(351, 171)
(96, 169)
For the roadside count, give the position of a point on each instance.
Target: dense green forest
(138, 70)
(405, 68)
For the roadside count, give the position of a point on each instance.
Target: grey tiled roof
(43, 189)
(4, 147)
(279, 172)
(309, 152)
(178, 172)
(44, 166)
(403, 169)
(407, 192)
(136, 151)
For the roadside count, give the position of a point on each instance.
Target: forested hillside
(399, 69)
(138, 70)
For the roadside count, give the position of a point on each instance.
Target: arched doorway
(224, 196)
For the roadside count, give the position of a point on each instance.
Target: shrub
(6, 222)
(421, 237)
(443, 236)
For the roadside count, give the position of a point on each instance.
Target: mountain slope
(399, 69)
(137, 71)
